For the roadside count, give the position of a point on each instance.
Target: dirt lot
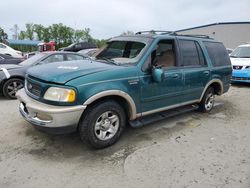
(188, 150)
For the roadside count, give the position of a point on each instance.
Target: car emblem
(237, 67)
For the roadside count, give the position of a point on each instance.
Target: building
(231, 34)
(23, 45)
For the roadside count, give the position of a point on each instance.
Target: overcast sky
(107, 18)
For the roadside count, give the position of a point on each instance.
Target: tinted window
(189, 53)
(71, 57)
(201, 55)
(217, 53)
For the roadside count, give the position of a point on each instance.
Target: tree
(22, 35)
(3, 35)
(30, 31)
(15, 29)
(46, 34)
(39, 30)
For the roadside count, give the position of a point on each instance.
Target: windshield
(241, 52)
(122, 52)
(33, 59)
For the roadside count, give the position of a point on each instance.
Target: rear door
(195, 69)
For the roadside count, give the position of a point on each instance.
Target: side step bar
(162, 115)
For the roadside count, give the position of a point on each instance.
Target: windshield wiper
(108, 60)
(233, 56)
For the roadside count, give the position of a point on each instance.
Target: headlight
(60, 94)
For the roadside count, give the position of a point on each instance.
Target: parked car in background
(89, 52)
(240, 59)
(12, 76)
(75, 47)
(30, 54)
(229, 50)
(5, 49)
(131, 78)
(6, 59)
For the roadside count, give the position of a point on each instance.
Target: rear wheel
(11, 86)
(102, 124)
(207, 101)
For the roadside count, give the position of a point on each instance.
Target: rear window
(217, 53)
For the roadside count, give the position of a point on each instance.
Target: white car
(5, 49)
(240, 57)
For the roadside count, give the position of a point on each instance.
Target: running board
(162, 115)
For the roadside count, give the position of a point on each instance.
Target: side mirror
(157, 74)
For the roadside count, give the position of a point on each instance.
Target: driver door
(157, 96)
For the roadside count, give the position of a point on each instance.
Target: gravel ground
(188, 150)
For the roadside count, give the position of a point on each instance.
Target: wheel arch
(120, 96)
(216, 84)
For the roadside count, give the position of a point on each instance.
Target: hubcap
(209, 102)
(13, 87)
(107, 125)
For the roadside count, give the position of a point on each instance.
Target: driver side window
(164, 55)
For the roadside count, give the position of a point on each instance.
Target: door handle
(206, 72)
(175, 76)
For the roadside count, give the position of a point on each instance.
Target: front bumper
(241, 76)
(49, 117)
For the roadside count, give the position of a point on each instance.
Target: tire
(102, 124)
(11, 86)
(207, 101)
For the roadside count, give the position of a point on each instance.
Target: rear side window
(217, 53)
(191, 53)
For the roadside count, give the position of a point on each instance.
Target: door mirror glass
(157, 74)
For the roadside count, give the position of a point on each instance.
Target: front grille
(240, 78)
(33, 88)
(237, 67)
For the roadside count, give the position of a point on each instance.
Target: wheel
(11, 86)
(207, 101)
(102, 124)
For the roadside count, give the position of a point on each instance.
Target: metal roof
(218, 23)
(22, 42)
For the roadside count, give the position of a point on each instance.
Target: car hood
(10, 66)
(61, 72)
(240, 61)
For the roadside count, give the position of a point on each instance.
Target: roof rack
(194, 35)
(155, 32)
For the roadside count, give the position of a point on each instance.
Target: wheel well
(124, 104)
(217, 88)
(3, 82)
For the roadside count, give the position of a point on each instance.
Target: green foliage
(3, 35)
(30, 30)
(60, 33)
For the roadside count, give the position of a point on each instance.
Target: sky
(108, 18)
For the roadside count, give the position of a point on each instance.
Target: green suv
(131, 78)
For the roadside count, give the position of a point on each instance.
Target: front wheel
(11, 86)
(102, 124)
(207, 102)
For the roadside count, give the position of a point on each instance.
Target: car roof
(244, 45)
(147, 35)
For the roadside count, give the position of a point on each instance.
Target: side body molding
(127, 97)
